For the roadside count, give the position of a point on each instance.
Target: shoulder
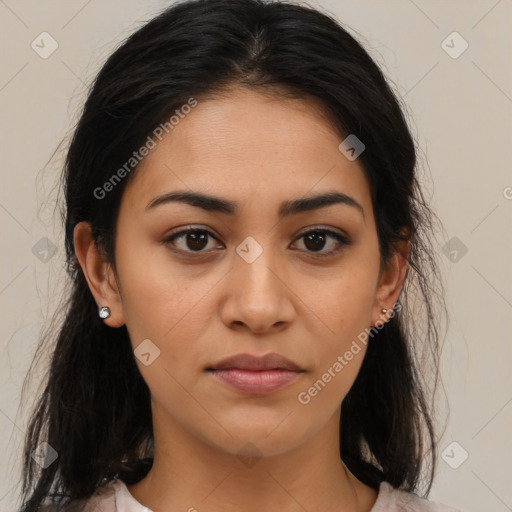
(102, 500)
(390, 499)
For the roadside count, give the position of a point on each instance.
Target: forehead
(245, 145)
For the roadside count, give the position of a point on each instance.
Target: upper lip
(249, 362)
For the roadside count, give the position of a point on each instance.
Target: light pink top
(115, 497)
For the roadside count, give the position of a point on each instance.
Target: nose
(258, 295)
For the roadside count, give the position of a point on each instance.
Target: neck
(190, 474)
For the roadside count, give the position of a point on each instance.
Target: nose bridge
(257, 292)
(256, 265)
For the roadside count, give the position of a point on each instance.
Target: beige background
(460, 111)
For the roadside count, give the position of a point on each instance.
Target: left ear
(391, 282)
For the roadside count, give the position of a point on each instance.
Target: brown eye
(316, 240)
(190, 240)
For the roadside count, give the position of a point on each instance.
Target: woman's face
(249, 281)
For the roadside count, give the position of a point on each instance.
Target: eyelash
(342, 240)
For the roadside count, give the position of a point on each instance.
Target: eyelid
(191, 227)
(325, 229)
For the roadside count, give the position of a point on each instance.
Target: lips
(254, 375)
(257, 363)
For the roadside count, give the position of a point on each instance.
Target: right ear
(98, 273)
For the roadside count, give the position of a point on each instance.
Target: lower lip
(256, 382)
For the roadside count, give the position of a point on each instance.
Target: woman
(252, 278)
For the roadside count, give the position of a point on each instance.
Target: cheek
(338, 366)
(343, 309)
(153, 288)
(341, 305)
(161, 303)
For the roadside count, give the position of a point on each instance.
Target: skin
(257, 151)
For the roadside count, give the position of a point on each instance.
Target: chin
(248, 441)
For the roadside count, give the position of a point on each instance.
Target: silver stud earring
(386, 310)
(104, 312)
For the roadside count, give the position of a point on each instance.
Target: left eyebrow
(286, 209)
